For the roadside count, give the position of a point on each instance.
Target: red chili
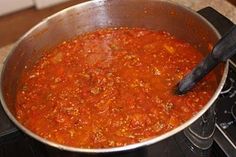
(110, 88)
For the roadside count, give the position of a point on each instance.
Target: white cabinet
(46, 3)
(8, 6)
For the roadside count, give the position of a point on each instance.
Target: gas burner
(227, 87)
(226, 113)
(233, 111)
(225, 125)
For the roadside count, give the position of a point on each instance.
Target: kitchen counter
(222, 6)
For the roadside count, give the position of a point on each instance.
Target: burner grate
(224, 117)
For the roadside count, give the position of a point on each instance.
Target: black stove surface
(15, 143)
(225, 115)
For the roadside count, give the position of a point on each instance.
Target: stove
(225, 134)
(223, 144)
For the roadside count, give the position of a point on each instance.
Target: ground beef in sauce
(110, 88)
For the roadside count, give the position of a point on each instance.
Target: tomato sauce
(110, 88)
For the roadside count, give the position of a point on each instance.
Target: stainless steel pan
(156, 15)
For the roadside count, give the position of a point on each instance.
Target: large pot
(156, 15)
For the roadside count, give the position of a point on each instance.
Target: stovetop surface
(226, 103)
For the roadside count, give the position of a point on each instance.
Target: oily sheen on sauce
(110, 88)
